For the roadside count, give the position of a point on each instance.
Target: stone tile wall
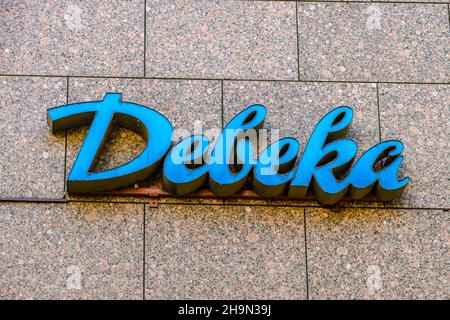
(207, 60)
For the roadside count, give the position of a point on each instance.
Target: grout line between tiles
(379, 120)
(222, 115)
(306, 253)
(65, 142)
(143, 252)
(221, 98)
(224, 79)
(63, 200)
(298, 42)
(357, 1)
(448, 14)
(145, 36)
(378, 113)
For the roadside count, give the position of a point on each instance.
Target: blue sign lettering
(326, 166)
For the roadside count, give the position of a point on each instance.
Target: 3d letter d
(150, 124)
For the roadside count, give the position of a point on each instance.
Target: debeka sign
(326, 166)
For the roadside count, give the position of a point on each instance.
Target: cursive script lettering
(325, 168)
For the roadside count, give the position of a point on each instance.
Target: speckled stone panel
(221, 39)
(418, 116)
(300, 202)
(393, 1)
(225, 252)
(295, 108)
(72, 37)
(71, 251)
(378, 254)
(374, 42)
(388, 1)
(422, 1)
(182, 102)
(31, 158)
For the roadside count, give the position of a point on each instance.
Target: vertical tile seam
(379, 121)
(298, 42)
(448, 14)
(378, 112)
(65, 143)
(222, 112)
(143, 252)
(306, 254)
(145, 37)
(221, 101)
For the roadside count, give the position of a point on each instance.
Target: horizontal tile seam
(56, 201)
(34, 200)
(224, 79)
(358, 1)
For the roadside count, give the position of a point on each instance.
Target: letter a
(150, 124)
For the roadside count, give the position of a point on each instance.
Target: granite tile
(374, 42)
(184, 103)
(388, 1)
(418, 116)
(299, 203)
(31, 158)
(378, 254)
(221, 39)
(121, 147)
(294, 108)
(72, 37)
(421, 1)
(71, 251)
(224, 252)
(144, 199)
(270, 202)
(193, 200)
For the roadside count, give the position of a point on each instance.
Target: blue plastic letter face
(223, 181)
(274, 169)
(184, 169)
(363, 176)
(153, 126)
